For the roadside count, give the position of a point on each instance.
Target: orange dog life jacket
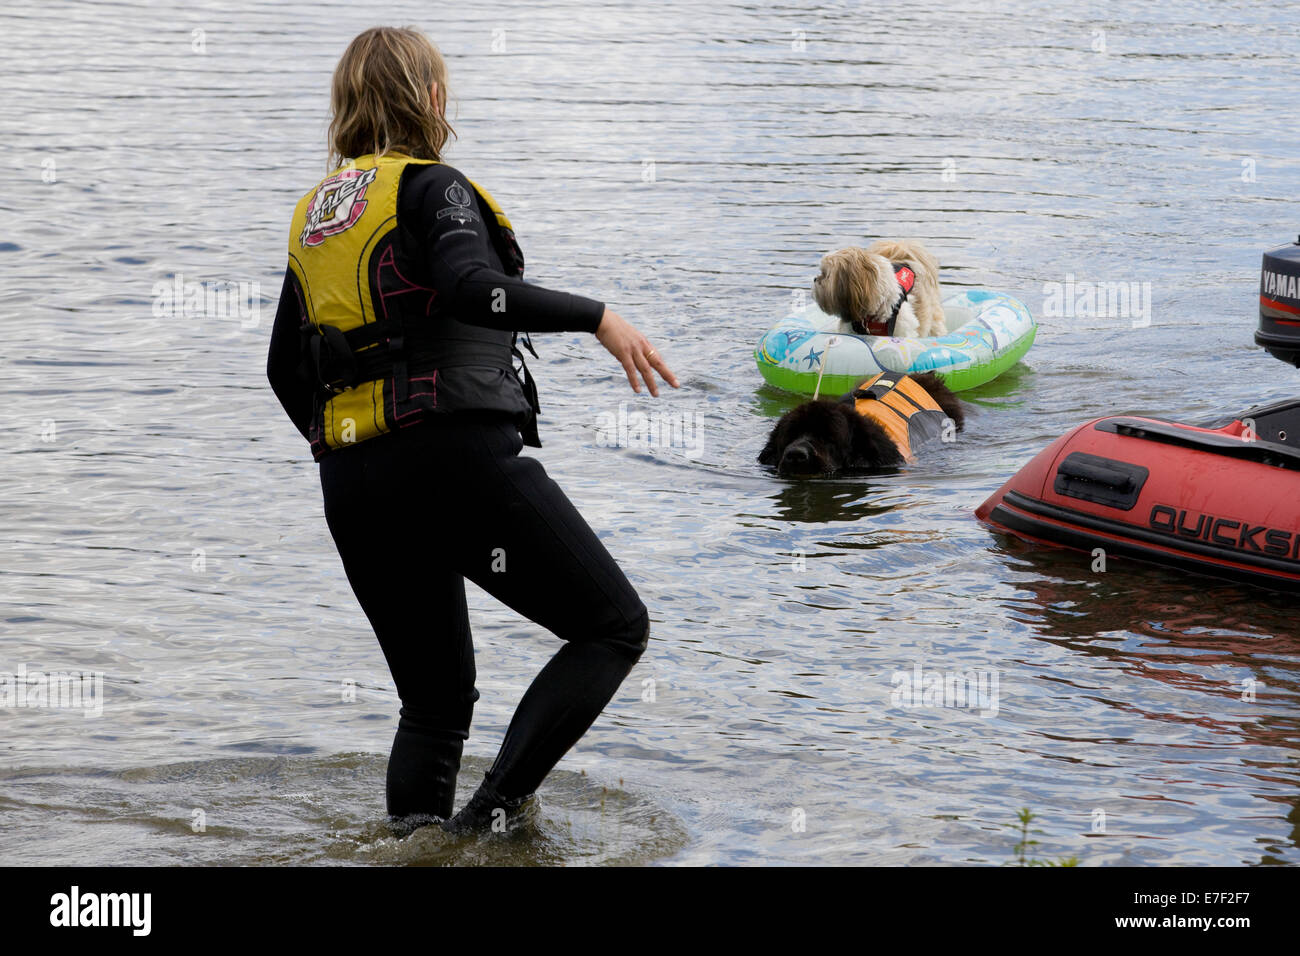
(902, 408)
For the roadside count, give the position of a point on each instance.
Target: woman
(392, 353)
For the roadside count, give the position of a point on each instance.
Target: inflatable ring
(988, 332)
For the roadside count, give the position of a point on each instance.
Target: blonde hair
(380, 98)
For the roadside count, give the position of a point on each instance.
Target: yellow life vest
(369, 324)
(902, 408)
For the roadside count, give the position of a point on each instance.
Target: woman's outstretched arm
(464, 266)
(454, 244)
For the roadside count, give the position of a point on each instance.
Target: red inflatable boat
(1222, 501)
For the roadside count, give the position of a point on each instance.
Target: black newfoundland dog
(828, 435)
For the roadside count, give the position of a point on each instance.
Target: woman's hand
(634, 351)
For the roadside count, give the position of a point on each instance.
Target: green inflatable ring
(988, 332)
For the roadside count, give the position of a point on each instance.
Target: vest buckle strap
(528, 430)
(401, 379)
(329, 359)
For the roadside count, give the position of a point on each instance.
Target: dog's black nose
(798, 460)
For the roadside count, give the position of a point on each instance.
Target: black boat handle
(1096, 474)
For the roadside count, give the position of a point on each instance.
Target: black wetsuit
(416, 511)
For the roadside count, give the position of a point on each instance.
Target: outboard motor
(1279, 303)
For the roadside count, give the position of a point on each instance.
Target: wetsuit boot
(488, 810)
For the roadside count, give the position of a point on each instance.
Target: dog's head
(856, 285)
(823, 437)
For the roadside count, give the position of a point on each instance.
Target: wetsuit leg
(535, 553)
(382, 528)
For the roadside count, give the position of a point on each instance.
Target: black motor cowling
(1279, 303)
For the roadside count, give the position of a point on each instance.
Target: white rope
(830, 343)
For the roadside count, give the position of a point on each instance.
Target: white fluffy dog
(889, 288)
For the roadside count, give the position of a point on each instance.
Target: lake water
(688, 164)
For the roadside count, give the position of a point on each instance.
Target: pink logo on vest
(338, 203)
